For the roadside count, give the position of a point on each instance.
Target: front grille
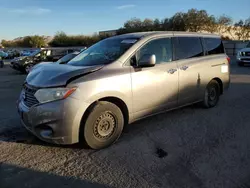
(29, 98)
(245, 59)
(245, 54)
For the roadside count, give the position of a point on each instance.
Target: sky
(46, 17)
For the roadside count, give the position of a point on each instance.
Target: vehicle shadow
(12, 176)
(8, 71)
(19, 134)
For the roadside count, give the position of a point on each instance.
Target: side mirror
(147, 60)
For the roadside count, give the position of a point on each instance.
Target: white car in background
(243, 56)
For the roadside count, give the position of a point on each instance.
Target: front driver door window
(161, 48)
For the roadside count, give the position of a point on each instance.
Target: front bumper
(243, 59)
(56, 122)
(16, 66)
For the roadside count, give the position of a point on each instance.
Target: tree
(157, 25)
(29, 41)
(147, 25)
(177, 22)
(197, 20)
(242, 29)
(6, 43)
(37, 41)
(60, 39)
(167, 24)
(134, 23)
(223, 24)
(211, 25)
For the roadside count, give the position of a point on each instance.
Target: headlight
(47, 95)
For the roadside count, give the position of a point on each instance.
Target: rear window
(213, 46)
(59, 52)
(188, 47)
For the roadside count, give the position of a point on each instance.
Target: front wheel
(103, 125)
(212, 94)
(28, 68)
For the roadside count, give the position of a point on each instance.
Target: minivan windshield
(103, 52)
(248, 45)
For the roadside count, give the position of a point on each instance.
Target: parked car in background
(64, 60)
(243, 56)
(25, 63)
(120, 80)
(13, 53)
(2, 56)
(27, 52)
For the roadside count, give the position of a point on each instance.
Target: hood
(41, 64)
(245, 50)
(54, 75)
(21, 60)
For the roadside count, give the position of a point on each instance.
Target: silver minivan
(120, 80)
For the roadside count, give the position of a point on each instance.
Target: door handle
(184, 67)
(172, 71)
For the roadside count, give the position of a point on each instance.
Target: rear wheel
(103, 125)
(212, 94)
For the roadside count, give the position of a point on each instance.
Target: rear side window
(213, 46)
(188, 47)
(59, 52)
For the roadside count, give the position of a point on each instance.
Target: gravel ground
(189, 147)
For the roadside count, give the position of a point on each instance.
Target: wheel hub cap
(28, 68)
(212, 94)
(104, 125)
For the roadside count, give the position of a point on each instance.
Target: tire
(28, 68)
(103, 126)
(241, 64)
(1, 64)
(212, 94)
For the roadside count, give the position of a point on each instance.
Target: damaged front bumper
(54, 122)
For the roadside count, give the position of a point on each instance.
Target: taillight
(228, 59)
